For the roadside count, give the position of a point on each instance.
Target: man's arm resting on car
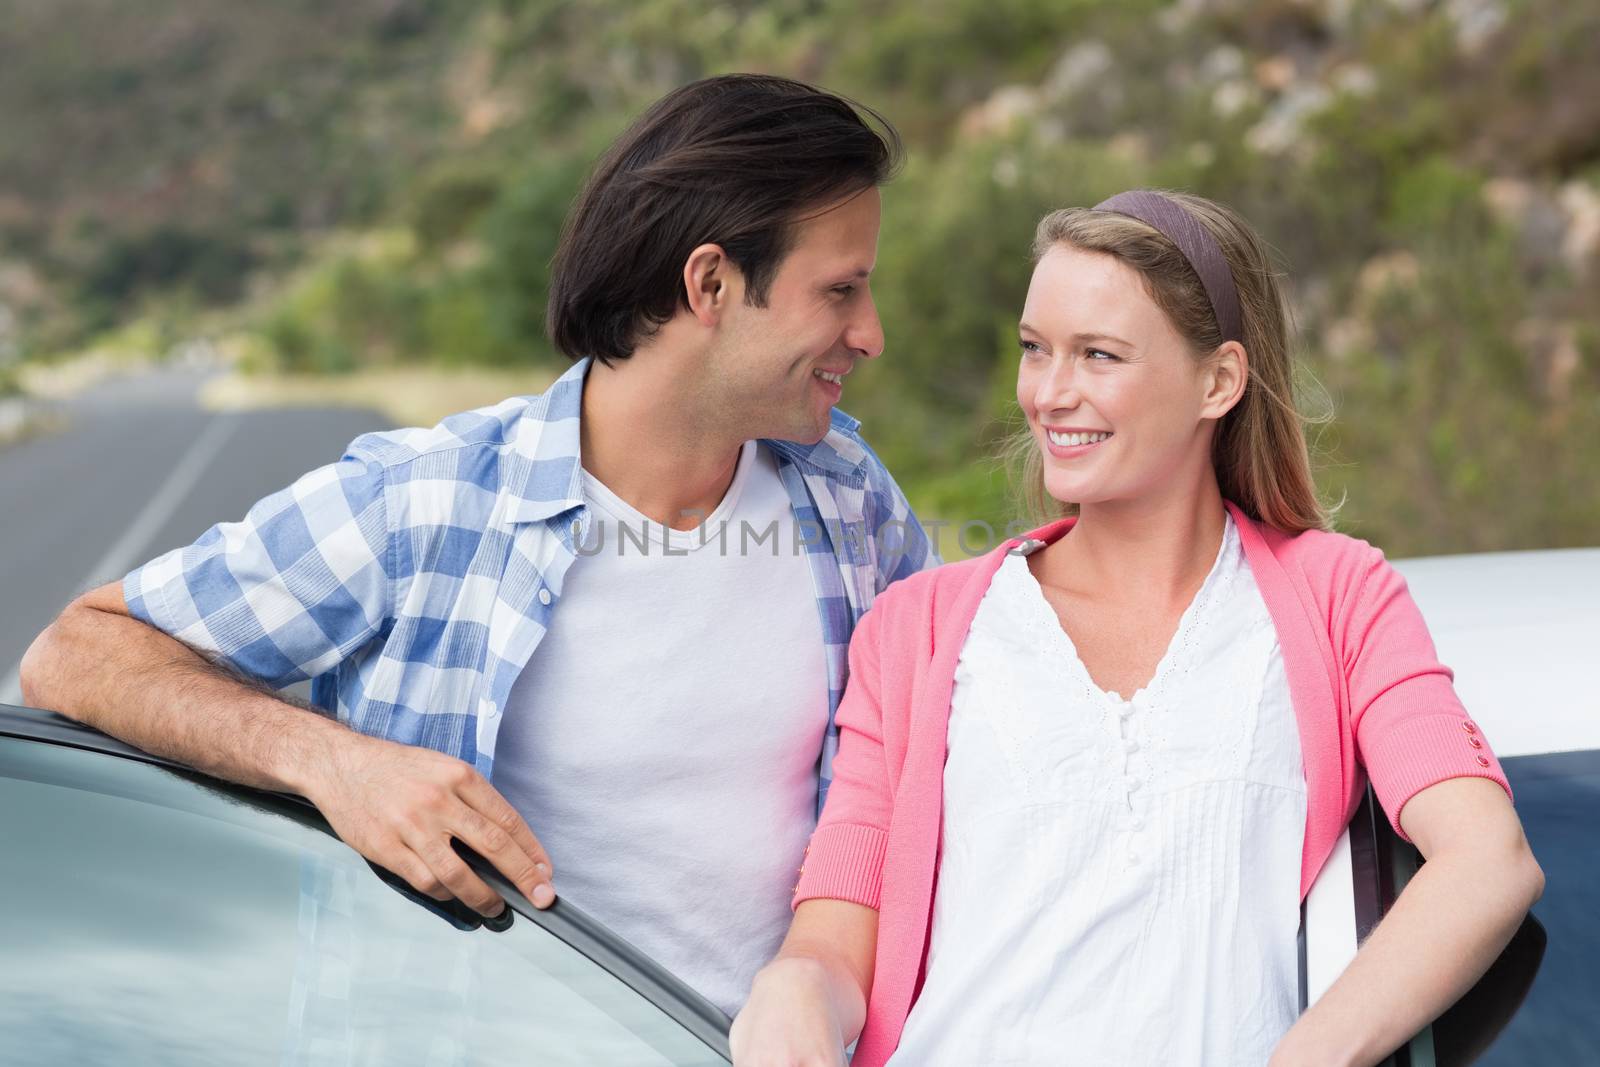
(396, 804)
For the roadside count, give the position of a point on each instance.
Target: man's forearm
(398, 805)
(134, 682)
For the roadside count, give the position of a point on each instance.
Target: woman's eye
(844, 290)
(1100, 355)
(1030, 346)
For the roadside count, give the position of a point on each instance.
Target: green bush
(357, 307)
(520, 233)
(213, 266)
(450, 201)
(459, 326)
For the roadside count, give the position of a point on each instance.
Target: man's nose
(864, 335)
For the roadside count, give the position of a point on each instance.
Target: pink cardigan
(1367, 686)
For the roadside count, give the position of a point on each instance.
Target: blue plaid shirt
(413, 579)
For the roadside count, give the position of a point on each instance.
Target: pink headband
(1205, 257)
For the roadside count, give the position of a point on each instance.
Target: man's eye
(844, 290)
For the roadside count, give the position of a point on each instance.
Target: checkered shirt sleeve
(289, 591)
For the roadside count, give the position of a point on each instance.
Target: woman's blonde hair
(1259, 451)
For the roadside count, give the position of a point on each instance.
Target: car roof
(1521, 630)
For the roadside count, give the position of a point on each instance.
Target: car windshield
(149, 918)
(1557, 796)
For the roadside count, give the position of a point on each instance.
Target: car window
(1557, 797)
(146, 918)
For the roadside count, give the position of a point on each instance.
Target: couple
(1075, 788)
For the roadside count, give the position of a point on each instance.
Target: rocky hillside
(381, 181)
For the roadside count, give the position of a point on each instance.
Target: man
(528, 616)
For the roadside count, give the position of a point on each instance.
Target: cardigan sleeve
(844, 860)
(1410, 728)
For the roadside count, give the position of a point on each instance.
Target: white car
(152, 915)
(1521, 630)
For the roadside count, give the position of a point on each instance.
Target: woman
(1085, 781)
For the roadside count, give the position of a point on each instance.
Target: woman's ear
(709, 282)
(1226, 373)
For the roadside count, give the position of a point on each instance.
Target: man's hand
(399, 806)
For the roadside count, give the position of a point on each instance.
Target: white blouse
(1119, 880)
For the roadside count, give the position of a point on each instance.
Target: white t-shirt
(1119, 881)
(662, 742)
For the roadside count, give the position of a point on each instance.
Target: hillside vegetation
(380, 182)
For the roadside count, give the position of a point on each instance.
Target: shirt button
(1133, 859)
(544, 596)
(1138, 823)
(1130, 745)
(1124, 709)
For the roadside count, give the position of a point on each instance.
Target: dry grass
(408, 397)
(63, 379)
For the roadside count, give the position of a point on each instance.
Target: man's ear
(711, 283)
(1226, 374)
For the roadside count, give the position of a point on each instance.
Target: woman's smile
(1070, 444)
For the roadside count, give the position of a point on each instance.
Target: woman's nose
(1058, 388)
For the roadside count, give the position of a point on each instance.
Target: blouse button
(1475, 742)
(1470, 727)
(1483, 761)
(1124, 708)
(1131, 745)
(1138, 823)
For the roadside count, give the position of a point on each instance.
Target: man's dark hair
(735, 160)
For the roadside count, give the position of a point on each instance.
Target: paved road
(138, 468)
